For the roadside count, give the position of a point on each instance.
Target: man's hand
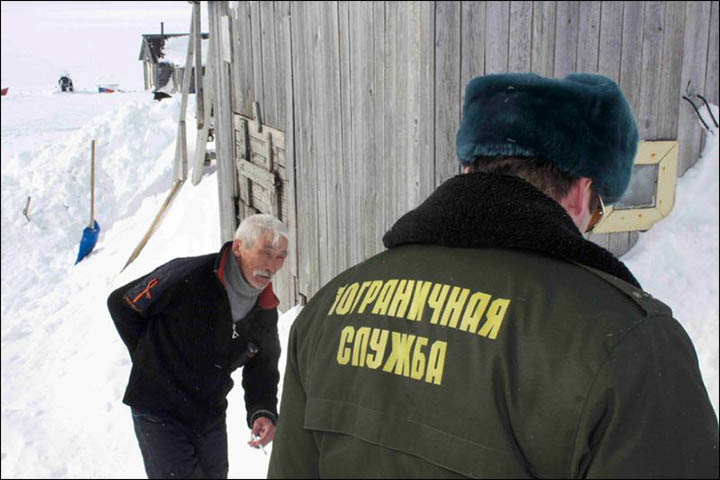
(262, 433)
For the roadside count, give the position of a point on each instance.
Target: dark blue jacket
(177, 324)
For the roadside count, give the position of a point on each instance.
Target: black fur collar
(481, 210)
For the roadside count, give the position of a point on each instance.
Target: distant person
(491, 340)
(188, 325)
(65, 83)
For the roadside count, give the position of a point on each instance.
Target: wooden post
(158, 218)
(92, 185)
(202, 134)
(181, 142)
(199, 110)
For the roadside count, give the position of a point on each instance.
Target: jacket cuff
(262, 413)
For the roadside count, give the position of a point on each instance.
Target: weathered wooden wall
(369, 95)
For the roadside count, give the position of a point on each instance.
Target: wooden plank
(277, 136)
(180, 170)
(236, 71)
(447, 90)
(202, 133)
(472, 48)
(261, 201)
(280, 160)
(265, 200)
(611, 29)
(520, 38)
(421, 101)
(543, 40)
(588, 36)
(356, 59)
(283, 69)
(256, 174)
(671, 71)
(380, 153)
(497, 30)
(331, 162)
(307, 223)
(242, 68)
(472, 62)
(227, 187)
(225, 27)
(566, 38)
(359, 25)
(395, 116)
(318, 96)
(349, 220)
(652, 47)
(242, 153)
(284, 199)
(258, 84)
(711, 72)
(269, 74)
(695, 44)
(198, 77)
(630, 81)
(632, 240)
(261, 152)
(611, 23)
(287, 159)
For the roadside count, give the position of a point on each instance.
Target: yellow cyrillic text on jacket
(409, 355)
(449, 306)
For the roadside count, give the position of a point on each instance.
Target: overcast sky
(79, 37)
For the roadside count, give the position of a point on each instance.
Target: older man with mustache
(188, 325)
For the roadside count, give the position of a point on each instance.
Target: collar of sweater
(236, 281)
(481, 210)
(267, 299)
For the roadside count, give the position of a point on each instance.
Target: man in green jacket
(491, 339)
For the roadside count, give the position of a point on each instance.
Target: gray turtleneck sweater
(241, 294)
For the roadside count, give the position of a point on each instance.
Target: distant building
(163, 56)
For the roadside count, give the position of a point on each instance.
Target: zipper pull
(235, 333)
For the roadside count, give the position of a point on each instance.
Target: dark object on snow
(65, 83)
(91, 232)
(105, 90)
(160, 96)
(88, 241)
(4, 91)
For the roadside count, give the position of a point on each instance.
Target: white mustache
(263, 273)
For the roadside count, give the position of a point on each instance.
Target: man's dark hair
(542, 174)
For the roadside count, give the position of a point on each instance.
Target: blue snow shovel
(91, 232)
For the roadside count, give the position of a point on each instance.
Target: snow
(64, 368)
(175, 50)
(96, 42)
(676, 260)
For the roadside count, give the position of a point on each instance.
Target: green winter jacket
(492, 341)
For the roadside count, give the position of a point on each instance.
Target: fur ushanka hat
(581, 123)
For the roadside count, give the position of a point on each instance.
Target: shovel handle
(92, 185)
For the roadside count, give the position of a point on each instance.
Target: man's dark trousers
(172, 450)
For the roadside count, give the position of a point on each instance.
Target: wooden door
(264, 186)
